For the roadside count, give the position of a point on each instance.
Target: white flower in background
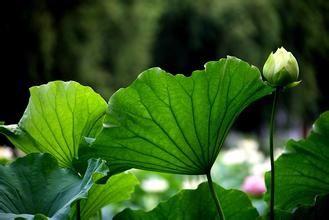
(6, 153)
(260, 168)
(155, 184)
(246, 152)
(264, 166)
(192, 182)
(278, 152)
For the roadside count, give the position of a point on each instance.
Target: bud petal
(281, 68)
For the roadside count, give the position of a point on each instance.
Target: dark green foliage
(104, 43)
(308, 39)
(318, 211)
(36, 185)
(193, 32)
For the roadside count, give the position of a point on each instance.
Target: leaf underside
(35, 186)
(197, 204)
(302, 172)
(57, 118)
(176, 124)
(117, 188)
(318, 211)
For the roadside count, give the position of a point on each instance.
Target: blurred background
(106, 44)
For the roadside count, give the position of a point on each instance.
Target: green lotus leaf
(35, 187)
(318, 211)
(117, 188)
(198, 204)
(59, 115)
(302, 171)
(176, 124)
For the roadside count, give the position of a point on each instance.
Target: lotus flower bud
(281, 69)
(254, 185)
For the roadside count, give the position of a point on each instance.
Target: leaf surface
(197, 204)
(318, 211)
(57, 118)
(176, 124)
(118, 188)
(302, 172)
(35, 186)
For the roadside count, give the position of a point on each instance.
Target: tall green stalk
(214, 196)
(272, 124)
(78, 210)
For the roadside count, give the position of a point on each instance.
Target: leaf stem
(78, 210)
(272, 124)
(214, 196)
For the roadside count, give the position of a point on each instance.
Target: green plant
(78, 148)
(57, 119)
(35, 186)
(302, 171)
(176, 124)
(280, 71)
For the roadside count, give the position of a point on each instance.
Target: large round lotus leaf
(35, 186)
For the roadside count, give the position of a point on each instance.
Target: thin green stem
(78, 210)
(214, 196)
(272, 124)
